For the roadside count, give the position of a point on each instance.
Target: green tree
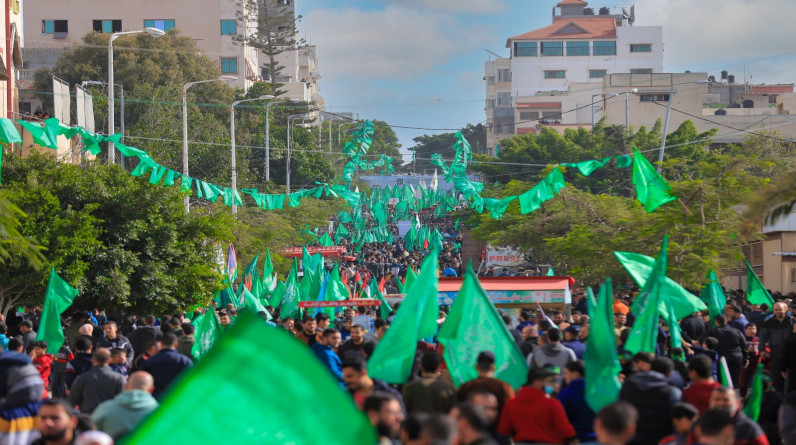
(385, 141)
(442, 143)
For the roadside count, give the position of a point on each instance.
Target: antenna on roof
(490, 52)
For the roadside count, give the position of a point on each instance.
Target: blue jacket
(329, 359)
(80, 364)
(580, 415)
(165, 366)
(577, 346)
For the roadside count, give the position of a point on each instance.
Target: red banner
(341, 303)
(323, 250)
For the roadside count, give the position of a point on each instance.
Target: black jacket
(693, 327)
(118, 342)
(731, 342)
(653, 396)
(165, 366)
(143, 335)
(776, 333)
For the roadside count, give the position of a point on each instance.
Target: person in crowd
(473, 425)
(118, 362)
(533, 416)
(113, 339)
(166, 365)
(97, 385)
(345, 328)
(380, 327)
(787, 419)
(715, 427)
(307, 335)
(355, 376)
(573, 399)
(412, 429)
(572, 341)
(620, 320)
(732, 346)
(758, 314)
(353, 346)
(700, 371)
(747, 432)
(515, 333)
(551, 352)
(58, 371)
(429, 393)
(385, 413)
(121, 414)
(683, 417)
(486, 381)
(42, 361)
(83, 361)
(28, 335)
(489, 404)
(3, 337)
(774, 334)
(57, 423)
(186, 340)
(693, 327)
(145, 333)
(530, 340)
(152, 348)
(615, 424)
(753, 346)
(789, 361)
(324, 350)
(653, 396)
(438, 429)
(735, 317)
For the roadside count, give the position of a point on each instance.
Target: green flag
(550, 272)
(675, 333)
(713, 296)
(640, 267)
(601, 359)
(325, 240)
(474, 325)
(375, 293)
(251, 277)
(228, 296)
(58, 298)
(395, 354)
(409, 279)
(259, 391)
(644, 333)
(208, 331)
(290, 298)
(278, 294)
(756, 293)
(336, 290)
(252, 304)
(651, 189)
(755, 399)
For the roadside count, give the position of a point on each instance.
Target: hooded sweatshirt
(554, 354)
(122, 413)
(534, 417)
(653, 396)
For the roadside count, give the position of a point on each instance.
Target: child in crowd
(43, 363)
(119, 361)
(683, 417)
(58, 371)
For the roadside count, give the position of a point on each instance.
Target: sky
(420, 63)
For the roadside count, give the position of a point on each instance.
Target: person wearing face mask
(533, 416)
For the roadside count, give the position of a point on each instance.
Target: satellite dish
(625, 14)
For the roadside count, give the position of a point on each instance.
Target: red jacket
(698, 394)
(532, 416)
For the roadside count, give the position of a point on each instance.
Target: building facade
(554, 70)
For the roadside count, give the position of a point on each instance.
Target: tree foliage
(442, 143)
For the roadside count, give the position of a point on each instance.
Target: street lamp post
(185, 126)
(111, 124)
(268, 136)
(232, 138)
(287, 165)
(666, 121)
(121, 97)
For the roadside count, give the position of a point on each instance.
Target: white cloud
(394, 43)
(711, 35)
(455, 6)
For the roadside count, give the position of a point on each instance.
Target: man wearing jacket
(653, 396)
(747, 431)
(533, 416)
(166, 365)
(121, 414)
(99, 384)
(774, 334)
(145, 334)
(82, 361)
(324, 350)
(551, 352)
(732, 346)
(113, 340)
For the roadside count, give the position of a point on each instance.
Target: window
(504, 98)
(490, 103)
(107, 26)
(229, 65)
(555, 74)
(577, 48)
(525, 49)
(641, 71)
(529, 115)
(399, 181)
(660, 97)
(229, 27)
(163, 25)
(551, 115)
(605, 48)
(641, 48)
(54, 26)
(552, 49)
(490, 80)
(503, 75)
(597, 74)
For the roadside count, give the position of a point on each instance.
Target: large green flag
(251, 277)
(755, 399)
(644, 333)
(259, 393)
(756, 293)
(410, 278)
(375, 293)
(278, 294)
(713, 296)
(252, 304)
(290, 299)
(336, 290)
(474, 325)
(58, 298)
(228, 296)
(310, 285)
(208, 331)
(651, 189)
(601, 359)
(550, 272)
(675, 333)
(417, 318)
(640, 267)
(325, 240)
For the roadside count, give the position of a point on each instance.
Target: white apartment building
(214, 24)
(10, 57)
(558, 68)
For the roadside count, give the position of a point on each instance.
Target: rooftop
(594, 27)
(572, 3)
